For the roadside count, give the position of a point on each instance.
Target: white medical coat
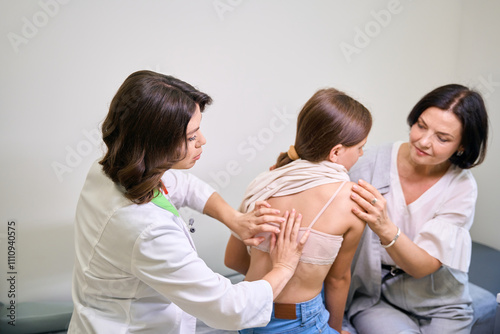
(137, 269)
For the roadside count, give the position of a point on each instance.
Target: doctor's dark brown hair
(145, 130)
(469, 107)
(330, 117)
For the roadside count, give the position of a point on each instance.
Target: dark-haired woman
(312, 178)
(136, 267)
(418, 199)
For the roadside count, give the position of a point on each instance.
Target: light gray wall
(479, 66)
(62, 62)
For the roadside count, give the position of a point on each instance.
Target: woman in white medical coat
(136, 268)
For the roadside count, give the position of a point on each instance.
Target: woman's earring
(459, 153)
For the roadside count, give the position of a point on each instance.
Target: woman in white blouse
(136, 267)
(410, 270)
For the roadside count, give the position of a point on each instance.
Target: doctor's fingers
(289, 238)
(265, 228)
(291, 231)
(263, 208)
(296, 226)
(295, 233)
(262, 204)
(284, 227)
(272, 213)
(278, 240)
(272, 244)
(256, 240)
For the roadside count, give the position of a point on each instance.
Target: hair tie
(292, 153)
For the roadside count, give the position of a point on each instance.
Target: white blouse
(440, 219)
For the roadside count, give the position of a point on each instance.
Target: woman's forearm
(336, 291)
(414, 260)
(217, 208)
(278, 277)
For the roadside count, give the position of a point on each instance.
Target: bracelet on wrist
(393, 240)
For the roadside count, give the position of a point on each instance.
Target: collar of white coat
(160, 200)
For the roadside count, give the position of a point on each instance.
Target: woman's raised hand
(374, 207)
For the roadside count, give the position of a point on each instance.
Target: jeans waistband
(299, 310)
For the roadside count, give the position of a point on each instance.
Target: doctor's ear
(335, 152)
